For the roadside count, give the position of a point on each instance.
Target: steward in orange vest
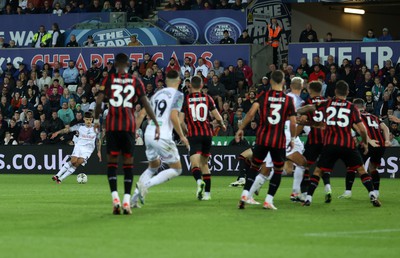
(274, 33)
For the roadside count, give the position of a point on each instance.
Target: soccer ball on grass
(81, 178)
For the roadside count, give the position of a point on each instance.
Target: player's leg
(205, 169)
(260, 179)
(300, 161)
(75, 163)
(350, 176)
(278, 158)
(311, 153)
(66, 166)
(127, 145)
(195, 154)
(376, 155)
(244, 165)
(112, 166)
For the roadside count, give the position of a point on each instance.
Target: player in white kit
(167, 104)
(84, 147)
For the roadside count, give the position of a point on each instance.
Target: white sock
(328, 188)
(258, 183)
(309, 198)
(127, 198)
(297, 178)
(347, 192)
(135, 196)
(245, 193)
(269, 199)
(199, 181)
(147, 175)
(376, 193)
(69, 172)
(372, 193)
(64, 168)
(114, 195)
(163, 177)
(207, 194)
(270, 174)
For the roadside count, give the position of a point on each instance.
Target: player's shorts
(268, 161)
(298, 147)
(120, 142)
(200, 145)
(374, 153)
(164, 149)
(312, 152)
(277, 155)
(82, 152)
(331, 153)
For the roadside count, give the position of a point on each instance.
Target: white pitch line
(344, 233)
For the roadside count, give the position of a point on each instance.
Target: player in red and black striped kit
(197, 109)
(378, 134)
(341, 116)
(121, 90)
(274, 107)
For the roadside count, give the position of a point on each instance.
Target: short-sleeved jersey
(340, 116)
(316, 135)
(297, 102)
(275, 108)
(372, 124)
(87, 136)
(122, 91)
(163, 102)
(197, 108)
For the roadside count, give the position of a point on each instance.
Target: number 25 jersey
(121, 91)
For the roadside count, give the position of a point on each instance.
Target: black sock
(207, 180)
(250, 177)
(305, 182)
(367, 182)
(376, 179)
(314, 181)
(243, 166)
(128, 178)
(326, 178)
(350, 176)
(196, 172)
(112, 176)
(275, 182)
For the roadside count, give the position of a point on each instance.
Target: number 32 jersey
(163, 102)
(121, 91)
(197, 108)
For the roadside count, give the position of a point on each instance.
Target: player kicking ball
(83, 149)
(167, 104)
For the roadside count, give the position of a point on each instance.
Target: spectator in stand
(304, 65)
(133, 11)
(54, 99)
(246, 70)
(72, 42)
(44, 80)
(394, 129)
(41, 38)
(370, 105)
(386, 69)
(159, 76)
(183, 5)
(245, 38)
(95, 7)
(226, 39)
(43, 139)
(238, 5)
(118, 7)
(218, 69)
(55, 123)
(252, 130)
(393, 141)
(186, 67)
(332, 70)
(159, 86)
(376, 72)
(249, 102)
(331, 85)
(58, 77)
(385, 35)
(31, 9)
(198, 5)
(25, 135)
(329, 62)
(134, 42)
(308, 35)
(56, 40)
(317, 61)
(134, 67)
(57, 9)
(46, 8)
(201, 66)
(147, 63)
(223, 4)
(106, 7)
(8, 10)
(172, 66)
(370, 37)
(316, 74)
(364, 86)
(11, 44)
(109, 68)
(328, 38)
(149, 78)
(90, 42)
(65, 114)
(13, 129)
(217, 91)
(391, 77)
(70, 74)
(377, 92)
(171, 6)
(37, 129)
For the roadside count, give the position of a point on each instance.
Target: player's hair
(277, 76)
(172, 75)
(121, 59)
(88, 115)
(296, 83)
(315, 86)
(342, 88)
(359, 103)
(196, 82)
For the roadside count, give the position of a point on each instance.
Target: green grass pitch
(39, 218)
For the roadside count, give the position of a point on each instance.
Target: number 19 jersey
(197, 107)
(163, 102)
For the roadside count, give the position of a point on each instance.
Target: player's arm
(219, 119)
(248, 118)
(67, 129)
(139, 119)
(183, 124)
(293, 130)
(99, 140)
(299, 129)
(394, 119)
(150, 113)
(306, 109)
(360, 128)
(178, 128)
(386, 134)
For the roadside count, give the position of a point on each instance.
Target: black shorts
(120, 142)
(375, 154)
(312, 152)
(200, 145)
(331, 153)
(278, 156)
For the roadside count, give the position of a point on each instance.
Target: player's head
(296, 84)
(88, 118)
(315, 88)
(121, 62)
(172, 79)
(359, 103)
(277, 78)
(196, 83)
(342, 89)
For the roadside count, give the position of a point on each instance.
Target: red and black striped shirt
(197, 108)
(372, 124)
(122, 91)
(316, 135)
(275, 108)
(340, 115)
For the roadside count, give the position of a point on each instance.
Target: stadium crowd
(39, 101)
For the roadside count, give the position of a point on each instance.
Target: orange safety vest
(274, 34)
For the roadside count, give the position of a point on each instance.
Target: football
(81, 178)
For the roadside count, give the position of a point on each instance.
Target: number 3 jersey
(197, 108)
(163, 102)
(121, 91)
(275, 108)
